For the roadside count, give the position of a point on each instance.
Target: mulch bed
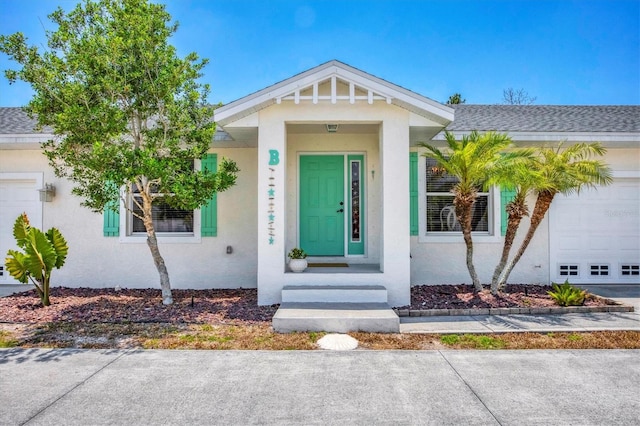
(230, 306)
(91, 305)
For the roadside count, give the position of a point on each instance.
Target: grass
(262, 337)
(7, 340)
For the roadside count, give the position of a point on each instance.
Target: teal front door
(322, 204)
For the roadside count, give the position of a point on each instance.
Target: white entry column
(395, 239)
(271, 209)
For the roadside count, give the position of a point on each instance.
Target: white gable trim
(376, 88)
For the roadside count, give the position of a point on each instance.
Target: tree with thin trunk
(473, 161)
(129, 115)
(562, 171)
(522, 177)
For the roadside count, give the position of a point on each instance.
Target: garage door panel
(18, 194)
(595, 235)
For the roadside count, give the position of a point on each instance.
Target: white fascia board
(24, 140)
(267, 96)
(393, 91)
(226, 114)
(617, 138)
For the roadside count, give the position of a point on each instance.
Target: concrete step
(336, 317)
(334, 294)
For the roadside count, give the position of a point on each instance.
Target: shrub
(567, 294)
(42, 253)
(297, 253)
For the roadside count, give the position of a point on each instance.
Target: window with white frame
(440, 211)
(166, 219)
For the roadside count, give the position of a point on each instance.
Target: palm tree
(561, 171)
(522, 177)
(473, 161)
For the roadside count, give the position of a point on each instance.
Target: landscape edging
(512, 311)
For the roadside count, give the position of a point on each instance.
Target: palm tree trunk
(543, 202)
(463, 205)
(516, 212)
(158, 260)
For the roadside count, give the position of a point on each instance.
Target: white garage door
(595, 236)
(18, 194)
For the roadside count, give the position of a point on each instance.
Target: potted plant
(298, 262)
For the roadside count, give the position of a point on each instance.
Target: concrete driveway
(90, 387)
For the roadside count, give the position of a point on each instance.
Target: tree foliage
(455, 99)
(126, 110)
(476, 160)
(559, 170)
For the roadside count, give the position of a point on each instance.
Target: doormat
(328, 265)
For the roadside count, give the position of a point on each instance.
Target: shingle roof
(13, 120)
(546, 118)
(503, 118)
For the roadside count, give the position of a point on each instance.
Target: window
(599, 270)
(568, 270)
(629, 270)
(440, 212)
(166, 219)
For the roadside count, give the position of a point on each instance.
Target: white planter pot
(297, 265)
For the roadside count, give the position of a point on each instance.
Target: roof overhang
(24, 140)
(609, 139)
(362, 87)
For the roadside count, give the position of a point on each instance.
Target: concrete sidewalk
(92, 387)
(627, 294)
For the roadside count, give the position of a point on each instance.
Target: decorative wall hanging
(274, 160)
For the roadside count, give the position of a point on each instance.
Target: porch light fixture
(47, 193)
(332, 128)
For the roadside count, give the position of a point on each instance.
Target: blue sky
(562, 52)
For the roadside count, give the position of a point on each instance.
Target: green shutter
(209, 212)
(506, 195)
(111, 225)
(413, 193)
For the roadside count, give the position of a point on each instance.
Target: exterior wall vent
(632, 270)
(568, 270)
(599, 270)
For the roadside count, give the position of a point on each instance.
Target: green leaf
(16, 266)
(59, 245)
(21, 229)
(40, 254)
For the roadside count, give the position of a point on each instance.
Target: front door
(322, 204)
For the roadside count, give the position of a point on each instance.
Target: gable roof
(546, 118)
(374, 87)
(14, 120)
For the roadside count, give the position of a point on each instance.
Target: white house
(329, 163)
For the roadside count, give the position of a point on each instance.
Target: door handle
(341, 203)
(339, 211)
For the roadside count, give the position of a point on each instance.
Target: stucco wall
(98, 261)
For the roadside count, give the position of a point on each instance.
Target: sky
(561, 52)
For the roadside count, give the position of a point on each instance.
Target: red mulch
(133, 305)
(229, 306)
(463, 297)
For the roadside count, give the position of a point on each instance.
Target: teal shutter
(506, 195)
(413, 193)
(111, 225)
(209, 212)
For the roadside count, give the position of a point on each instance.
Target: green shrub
(567, 294)
(42, 252)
